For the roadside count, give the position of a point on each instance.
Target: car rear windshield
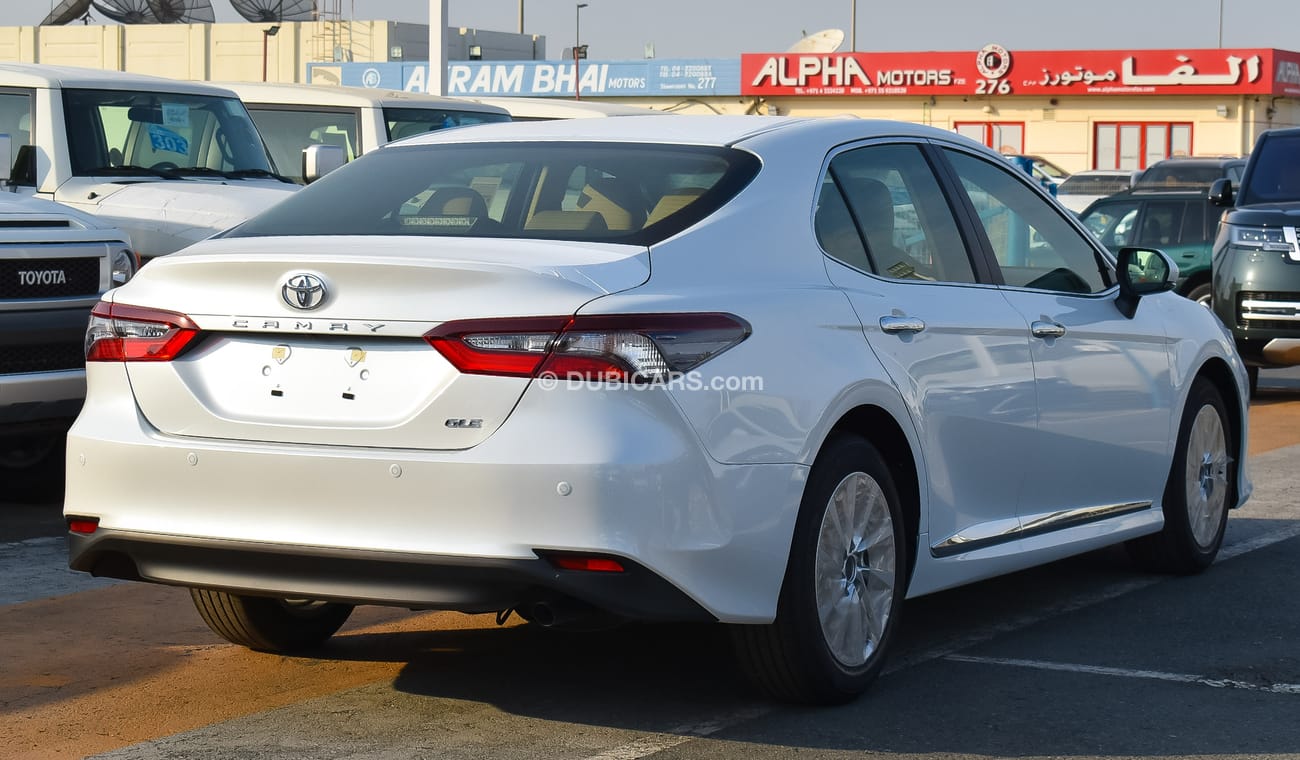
(1275, 171)
(1086, 184)
(604, 192)
(1176, 177)
(408, 122)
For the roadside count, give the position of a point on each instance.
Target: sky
(622, 29)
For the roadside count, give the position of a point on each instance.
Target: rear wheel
(267, 624)
(844, 584)
(1196, 496)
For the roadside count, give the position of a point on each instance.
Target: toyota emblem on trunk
(303, 291)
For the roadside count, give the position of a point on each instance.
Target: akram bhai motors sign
(993, 70)
(684, 77)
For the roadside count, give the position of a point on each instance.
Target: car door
(957, 351)
(1104, 393)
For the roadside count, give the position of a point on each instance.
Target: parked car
(1257, 254)
(1182, 223)
(777, 373)
(293, 117)
(165, 161)
(1190, 172)
(55, 263)
(534, 109)
(1082, 188)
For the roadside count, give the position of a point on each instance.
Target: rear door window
(882, 210)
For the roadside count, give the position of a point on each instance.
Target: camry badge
(303, 291)
(281, 353)
(355, 356)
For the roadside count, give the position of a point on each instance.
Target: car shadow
(667, 679)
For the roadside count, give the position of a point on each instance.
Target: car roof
(688, 130)
(353, 97)
(556, 108)
(1201, 161)
(56, 77)
(1138, 193)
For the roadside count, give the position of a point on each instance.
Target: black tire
(1202, 294)
(269, 625)
(1196, 495)
(1252, 374)
(792, 658)
(32, 468)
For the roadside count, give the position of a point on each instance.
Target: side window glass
(835, 229)
(1193, 230)
(1114, 224)
(897, 208)
(288, 132)
(1161, 223)
(1034, 245)
(15, 121)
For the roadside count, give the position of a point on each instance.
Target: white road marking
(1104, 594)
(1154, 675)
(649, 745)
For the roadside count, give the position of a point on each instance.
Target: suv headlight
(1281, 239)
(125, 265)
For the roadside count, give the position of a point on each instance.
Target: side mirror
(6, 145)
(1221, 192)
(319, 160)
(1142, 272)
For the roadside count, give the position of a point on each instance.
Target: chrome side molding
(1003, 531)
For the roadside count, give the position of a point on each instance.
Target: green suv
(1179, 222)
(1257, 254)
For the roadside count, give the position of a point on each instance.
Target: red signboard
(997, 71)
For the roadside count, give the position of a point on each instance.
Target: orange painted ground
(103, 669)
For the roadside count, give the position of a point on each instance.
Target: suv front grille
(41, 357)
(1268, 311)
(49, 278)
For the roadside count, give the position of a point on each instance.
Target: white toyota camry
(775, 373)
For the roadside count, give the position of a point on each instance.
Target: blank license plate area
(316, 382)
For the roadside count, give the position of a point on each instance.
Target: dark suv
(1190, 172)
(1181, 223)
(1257, 255)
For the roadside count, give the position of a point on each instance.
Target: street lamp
(577, 50)
(267, 34)
(853, 27)
(1220, 23)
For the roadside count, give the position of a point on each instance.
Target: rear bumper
(416, 581)
(606, 472)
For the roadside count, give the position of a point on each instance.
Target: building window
(1004, 137)
(1138, 145)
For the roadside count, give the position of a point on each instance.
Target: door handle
(901, 325)
(1042, 329)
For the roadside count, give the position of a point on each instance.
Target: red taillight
(585, 563)
(625, 347)
(510, 347)
(119, 333)
(83, 525)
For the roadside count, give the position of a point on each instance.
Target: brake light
(621, 347)
(121, 333)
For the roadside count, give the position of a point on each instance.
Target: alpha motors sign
(994, 70)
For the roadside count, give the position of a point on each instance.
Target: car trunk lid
(273, 365)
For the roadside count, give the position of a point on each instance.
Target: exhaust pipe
(563, 612)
